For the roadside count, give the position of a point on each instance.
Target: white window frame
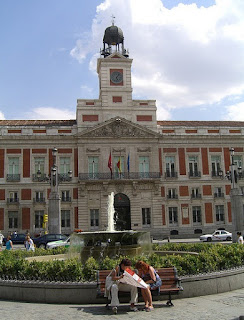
(94, 219)
(173, 216)
(13, 220)
(146, 217)
(170, 166)
(220, 214)
(197, 215)
(93, 162)
(64, 165)
(39, 214)
(13, 165)
(65, 219)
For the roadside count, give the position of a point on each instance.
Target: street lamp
(233, 174)
(235, 171)
(54, 211)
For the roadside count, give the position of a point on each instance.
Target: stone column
(54, 213)
(236, 212)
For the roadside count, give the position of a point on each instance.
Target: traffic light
(235, 176)
(45, 218)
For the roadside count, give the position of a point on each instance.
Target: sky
(187, 55)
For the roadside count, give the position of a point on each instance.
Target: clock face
(116, 77)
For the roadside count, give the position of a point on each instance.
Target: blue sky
(188, 55)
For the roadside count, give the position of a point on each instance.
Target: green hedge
(211, 257)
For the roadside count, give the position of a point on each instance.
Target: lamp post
(54, 211)
(233, 175)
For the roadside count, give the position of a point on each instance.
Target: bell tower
(115, 88)
(114, 71)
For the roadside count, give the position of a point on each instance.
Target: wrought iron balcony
(172, 196)
(219, 195)
(172, 174)
(64, 177)
(13, 177)
(117, 176)
(66, 199)
(194, 174)
(196, 196)
(217, 174)
(39, 200)
(13, 200)
(40, 177)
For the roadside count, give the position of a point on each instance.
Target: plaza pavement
(224, 306)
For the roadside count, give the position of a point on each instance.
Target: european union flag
(128, 163)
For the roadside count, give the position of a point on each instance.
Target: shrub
(211, 257)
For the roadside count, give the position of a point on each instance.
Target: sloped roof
(201, 123)
(37, 122)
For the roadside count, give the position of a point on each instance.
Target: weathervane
(113, 17)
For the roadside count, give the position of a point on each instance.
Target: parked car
(18, 238)
(41, 242)
(60, 243)
(218, 235)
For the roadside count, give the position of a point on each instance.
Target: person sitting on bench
(114, 286)
(150, 276)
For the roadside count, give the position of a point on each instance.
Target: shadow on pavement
(123, 309)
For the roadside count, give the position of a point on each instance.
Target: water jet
(111, 243)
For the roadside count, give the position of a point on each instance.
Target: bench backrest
(168, 275)
(101, 278)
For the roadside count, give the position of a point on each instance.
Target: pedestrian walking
(29, 244)
(240, 238)
(9, 243)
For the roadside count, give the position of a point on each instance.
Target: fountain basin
(100, 244)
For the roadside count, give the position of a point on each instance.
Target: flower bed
(210, 258)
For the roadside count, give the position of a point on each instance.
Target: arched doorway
(122, 212)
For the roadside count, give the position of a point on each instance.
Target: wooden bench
(170, 283)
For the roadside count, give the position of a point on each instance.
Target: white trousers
(115, 288)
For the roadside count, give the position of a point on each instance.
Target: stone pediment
(119, 127)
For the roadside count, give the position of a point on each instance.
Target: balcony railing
(216, 174)
(13, 177)
(218, 195)
(12, 200)
(196, 196)
(172, 174)
(40, 178)
(194, 174)
(172, 196)
(62, 177)
(122, 176)
(39, 200)
(66, 199)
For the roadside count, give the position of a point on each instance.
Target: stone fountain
(111, 243)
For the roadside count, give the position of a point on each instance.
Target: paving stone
(224, 306)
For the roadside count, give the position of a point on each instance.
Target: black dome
(113, 36)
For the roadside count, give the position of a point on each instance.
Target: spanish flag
(110, 163)
(119, 165)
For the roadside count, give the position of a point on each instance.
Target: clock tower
(114, 71)
(115, 88)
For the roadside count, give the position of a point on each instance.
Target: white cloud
(86, 88)
(235, 112)
(2, 117)
(183, 57)
(50, 113)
